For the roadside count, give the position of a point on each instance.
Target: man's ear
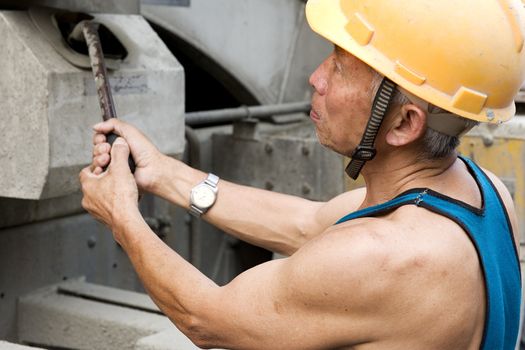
(408, 125)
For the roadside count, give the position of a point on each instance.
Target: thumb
(119, 155)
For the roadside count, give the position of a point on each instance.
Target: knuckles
(85, 203)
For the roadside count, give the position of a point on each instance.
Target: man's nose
(318, 81)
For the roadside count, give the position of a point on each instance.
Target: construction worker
(424, 257)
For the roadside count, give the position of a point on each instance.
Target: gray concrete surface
(49, 106)
(11, 346)
(286, 160)
(103, 6)
(33, 256)
(79, 315)
(170, 339)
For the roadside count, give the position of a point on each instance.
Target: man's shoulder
(397, 232)
(409, 240)
(393, 269)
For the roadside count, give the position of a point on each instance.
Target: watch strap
(195, 211)
(212, 180)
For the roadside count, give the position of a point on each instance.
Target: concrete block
(48, 105)
(171, 339)
(102, 6)
(289, 160)
(41, 254)
(108, 295)
(10, 346)
(80, 315)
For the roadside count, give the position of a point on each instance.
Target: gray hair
(435, 144)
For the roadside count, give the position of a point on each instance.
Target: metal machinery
(64, 282)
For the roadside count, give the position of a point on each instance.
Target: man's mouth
(314, 115)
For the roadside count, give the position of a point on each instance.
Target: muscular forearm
(278, 222)
(177, 287)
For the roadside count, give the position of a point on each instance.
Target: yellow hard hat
(466, 56)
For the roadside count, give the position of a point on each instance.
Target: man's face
(341, 100)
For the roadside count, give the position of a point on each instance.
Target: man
(426, 257)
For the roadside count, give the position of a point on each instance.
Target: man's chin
(327, 144)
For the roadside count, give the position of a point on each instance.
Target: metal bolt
(488, 140)
(306, 151)
(268, 185)
(268, 148)
(490, 114)
(165, 230)
(153, 223)
(306, 189)
(91, 242)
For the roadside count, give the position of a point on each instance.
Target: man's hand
(111, 196)
(147, 157)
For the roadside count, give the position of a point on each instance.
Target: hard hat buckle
(364, 153)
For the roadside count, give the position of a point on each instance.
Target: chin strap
(365, 151)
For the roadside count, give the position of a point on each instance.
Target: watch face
(202, 196)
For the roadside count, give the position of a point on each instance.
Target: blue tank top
(490, 231)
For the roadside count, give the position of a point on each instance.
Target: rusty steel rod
(100, 73)
(105, 98)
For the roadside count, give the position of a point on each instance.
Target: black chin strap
(365, 150)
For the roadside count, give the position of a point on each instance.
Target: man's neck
(391, 175)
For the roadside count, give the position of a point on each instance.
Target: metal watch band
(212, 180)
(195, 211)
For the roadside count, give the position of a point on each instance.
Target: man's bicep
(293, 303)
(255, 311)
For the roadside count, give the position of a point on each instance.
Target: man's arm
(314, 299)
(275, 221)
(278, 222)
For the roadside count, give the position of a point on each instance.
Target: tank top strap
(417, 196)
(413, 196)
(490, 196)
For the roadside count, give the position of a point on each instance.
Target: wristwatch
(203, 196)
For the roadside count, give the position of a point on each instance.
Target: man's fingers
(102, 160)
(99, 138)
(119, 156)
(115, 126)
(107, 126)
(98, 170)
(122, 129)
(101, 148)
(85, 174)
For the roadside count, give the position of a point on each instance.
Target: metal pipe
(233, 114)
